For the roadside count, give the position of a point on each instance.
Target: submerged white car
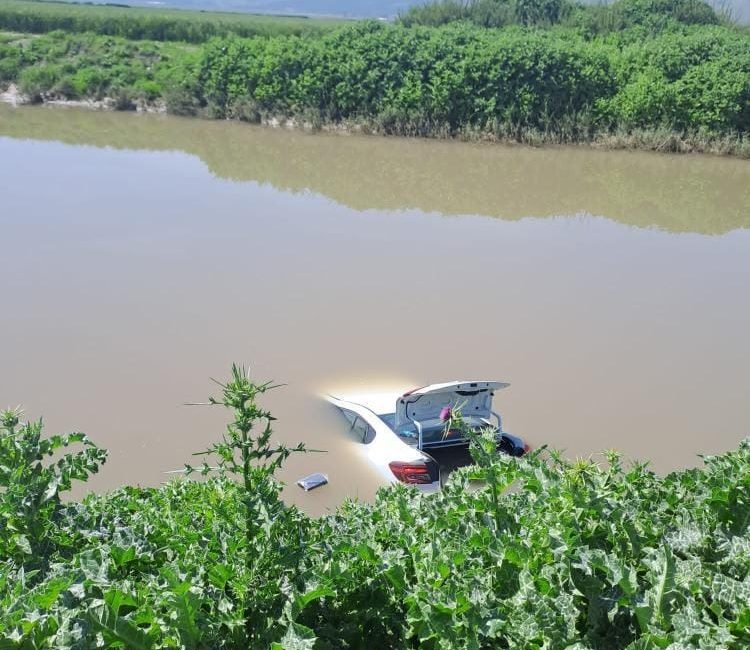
(407, 438)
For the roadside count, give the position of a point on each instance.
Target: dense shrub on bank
(158, 24)
(411, 80)
(577, 555)
(457, 78)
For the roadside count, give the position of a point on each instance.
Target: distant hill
(348, 8)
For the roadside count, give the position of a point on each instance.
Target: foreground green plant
(31, 484)
(576, 555)
(246, 452)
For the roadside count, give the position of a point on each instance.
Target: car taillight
(414, 472)
(527, 448)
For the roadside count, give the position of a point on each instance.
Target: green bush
(36, 81)
(657, 12)
(647, 100)
(457, 76)
(150, 89)
(10, 64)
(428, 81)
(88, 82)
(714, 97)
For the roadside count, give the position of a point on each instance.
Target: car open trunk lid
(424, 404)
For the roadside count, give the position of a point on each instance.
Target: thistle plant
(247, 454)
(483, 447)
(245, 451)
(30, 485)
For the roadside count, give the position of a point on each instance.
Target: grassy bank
(578, 555)
(159, 24)
(673, 83)
(91, 67)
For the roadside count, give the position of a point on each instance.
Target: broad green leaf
(219, 574)
(118, 629)
(296, 637)
(303, 600)
(51, 590)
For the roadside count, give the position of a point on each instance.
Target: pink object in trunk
(445, 413)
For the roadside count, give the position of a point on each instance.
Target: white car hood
(474, 398)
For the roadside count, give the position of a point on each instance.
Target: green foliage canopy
(426, 80)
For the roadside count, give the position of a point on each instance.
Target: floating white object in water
(313, 481)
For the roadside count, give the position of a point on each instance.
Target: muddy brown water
(141, 255)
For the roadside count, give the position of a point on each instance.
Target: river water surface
(141, 255)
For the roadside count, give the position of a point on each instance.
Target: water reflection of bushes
(703, 194)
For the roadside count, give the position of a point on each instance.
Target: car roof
(379, 403)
